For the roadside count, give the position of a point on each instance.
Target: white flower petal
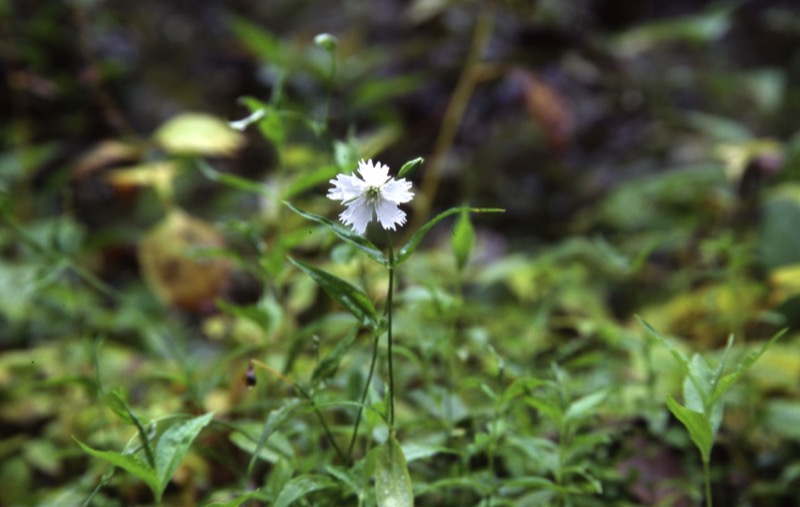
(374, 175)
(397, 191)
(389, 214)
(346, 187)
(357, 215)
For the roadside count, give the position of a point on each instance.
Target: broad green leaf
(697, 424)
(301, 486)
(198, 134)
(354, 239)
(462, 240)
(727, 380)
(405, 252)
(173, 444)
(330, 363)
(410, 167)
(697, 393)
(583, 407)
(345, 293)
(392, 481)
(131, 464)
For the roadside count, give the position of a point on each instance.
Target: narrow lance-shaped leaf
(130, 463)
(116, 401)
(232, 180)
(682, 360)
(392, 481)
(354, 239)
(345, 293)
(173, 445)
(697, 424)
(727, 380)
(302, 485)
(405, 252)
(274, 420)
(463, 240)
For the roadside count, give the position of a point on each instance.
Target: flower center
(373, 194)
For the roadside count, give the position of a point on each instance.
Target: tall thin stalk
(389, 296)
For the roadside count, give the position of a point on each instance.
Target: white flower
(374, 194)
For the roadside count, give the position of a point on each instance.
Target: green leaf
(345, 293)
(174, 443)
(697, 424)
(233, 502)
(727, 380)
(546, 407)
(392, 481)
(301, 486)
(116, 401)
(463, 240)
(131, 464)
(232, 180)
(270, 123)
(410, 167)
(405, 252)
(677, 354)
(274, 420)
(347, 235)
(583, 407)
(330, 363)
(697, 393)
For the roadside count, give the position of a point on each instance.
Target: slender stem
(363, 398)
(707, 480)
(389, 296)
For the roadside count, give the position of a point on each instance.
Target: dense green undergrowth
(216, 339)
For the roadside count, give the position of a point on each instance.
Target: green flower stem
(707, 480)
(374, 360)
(389, 330)
(363, 397)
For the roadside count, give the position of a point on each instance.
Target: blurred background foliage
(646, 153)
